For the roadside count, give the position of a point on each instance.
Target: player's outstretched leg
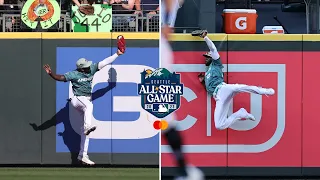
(252, 89)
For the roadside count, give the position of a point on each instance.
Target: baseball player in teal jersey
(81, 80)
(223, 93)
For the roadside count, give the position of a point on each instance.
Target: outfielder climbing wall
(283, 139)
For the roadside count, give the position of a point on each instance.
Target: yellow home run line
(155, 36)
(78, 35)
(241, 37)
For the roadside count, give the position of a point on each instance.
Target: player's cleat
(270, 91)
(194, 173)
(251, 117)
(267, 91)
(87, 131)
(248, 115)
(121, 43)
(85, 160)
(200, 33)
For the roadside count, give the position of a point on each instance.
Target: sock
(175, 142)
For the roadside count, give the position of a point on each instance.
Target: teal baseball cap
(83, 63)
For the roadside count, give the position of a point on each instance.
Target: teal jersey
(214, 75)
(81, 82)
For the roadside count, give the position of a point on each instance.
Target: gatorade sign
(100, 21)
(47, 13)
(241, 23)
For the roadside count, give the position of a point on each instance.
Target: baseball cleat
(251, 117)
(270, 91)
(248, 115)
(89, 130)
(85, 160)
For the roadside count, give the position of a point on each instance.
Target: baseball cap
(83, 63)
(207, 55)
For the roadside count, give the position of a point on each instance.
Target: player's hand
(166, 31)
(47, 68)
(204, 34)
(119, 52)
(201, 77)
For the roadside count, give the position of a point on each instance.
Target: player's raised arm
(121, 49)
(214, 52)
(54, 76)
(109, 60)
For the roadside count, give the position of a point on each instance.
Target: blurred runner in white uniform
(169, 9)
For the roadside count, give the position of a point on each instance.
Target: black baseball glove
(200, 33)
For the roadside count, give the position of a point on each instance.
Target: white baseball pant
(84, 105)
(166, 58)
(223, 98)
(166, 54)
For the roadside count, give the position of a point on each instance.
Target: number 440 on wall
(100, 21)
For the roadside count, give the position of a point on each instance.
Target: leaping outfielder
(223, 93)
(169, 10)
(81, 80)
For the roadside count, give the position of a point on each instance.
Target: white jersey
(172, 14)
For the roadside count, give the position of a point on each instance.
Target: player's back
(214, 75)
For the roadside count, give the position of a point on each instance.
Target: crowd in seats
(128, 15)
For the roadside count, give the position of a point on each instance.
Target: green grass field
(79, 173)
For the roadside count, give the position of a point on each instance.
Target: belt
(217, 88)
(70, 99)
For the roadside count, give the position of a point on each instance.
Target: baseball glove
(87, 9)
(200, 33)
(121, 43)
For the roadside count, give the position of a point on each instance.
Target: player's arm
(214, 52)
(109, 60)
(54, 76)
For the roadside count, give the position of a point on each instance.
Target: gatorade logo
(241, 23)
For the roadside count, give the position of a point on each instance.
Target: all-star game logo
(160, 91)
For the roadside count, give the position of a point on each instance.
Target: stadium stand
(124, 17)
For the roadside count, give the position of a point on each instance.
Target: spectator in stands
(148, 7)
(123, 23)
(10, 7)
